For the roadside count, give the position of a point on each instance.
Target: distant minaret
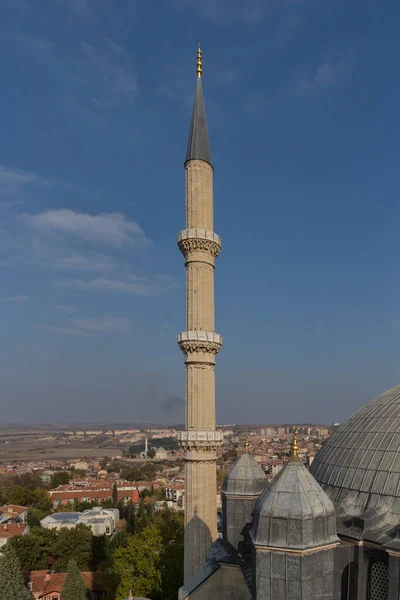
(199, 343)
(146, 447)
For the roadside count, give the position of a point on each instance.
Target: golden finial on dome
(294, 446)
(246, 444)
(199, 69)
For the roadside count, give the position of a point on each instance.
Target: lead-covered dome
(360, 462)
(245, 477)
(294, 512)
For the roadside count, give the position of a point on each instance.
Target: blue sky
(302, 102)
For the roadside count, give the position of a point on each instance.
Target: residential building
(10, 530)
(45, 585)
(12, 513)
(101, 521)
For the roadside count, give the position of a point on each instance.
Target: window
(379, 581)
(349, 582)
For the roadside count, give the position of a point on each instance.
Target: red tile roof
(13, 508)
(9, 530)
(44, 582)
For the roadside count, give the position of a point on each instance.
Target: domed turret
(294, 512)
(294, 536)
(245, 477)
(242, 487)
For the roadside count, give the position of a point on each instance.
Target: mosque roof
(198, 144)
(245, 477)
(294, 512)
(359, 465)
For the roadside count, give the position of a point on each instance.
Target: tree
(100, 551)
(171, 527)
(60, 478)
(41, 499)
(137, 566)
(104, 462)
(118, 540)
(72, 543)
(130, 517)
(74, 586)
(20, 496)
(34, 549)
(115, 495)
(35, 515)
(12, 585)
(221, 474)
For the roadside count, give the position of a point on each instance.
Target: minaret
(199, 343)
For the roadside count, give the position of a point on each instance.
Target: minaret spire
(198, 145)
(199, 343)
(199, 69)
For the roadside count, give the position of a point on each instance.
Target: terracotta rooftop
(44, 582)
(10, 530)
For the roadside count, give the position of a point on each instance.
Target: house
(10, 530)
(93, 491)
(101, 521)
(45, 585)
(12, 513)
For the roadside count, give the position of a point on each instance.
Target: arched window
(349, 582)
(379, 581)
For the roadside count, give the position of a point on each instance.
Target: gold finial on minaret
(294, 446)
(246, 444)
(199, 69)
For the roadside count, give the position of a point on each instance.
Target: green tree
(115, 495)
(221, 474)
(34, 549)
(20, 496)
(118, 540)
(130, 517)
(101, 551)
(104, 462)
(142, 517)
(60, 478)
(72, 543)
(137, 566)
(41, 499)
(35, 515)
(171, 527)
(12, 585)
(74, 586)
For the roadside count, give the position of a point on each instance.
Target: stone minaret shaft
(199, 343)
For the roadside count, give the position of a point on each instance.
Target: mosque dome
(245, 477)
(294, 512)
(359, 465)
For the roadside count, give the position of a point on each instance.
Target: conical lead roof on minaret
(198, 144)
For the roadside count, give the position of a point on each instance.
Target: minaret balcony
(200, 440)
(200, 341)
(197, 239)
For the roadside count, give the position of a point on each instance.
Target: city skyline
(303, 126)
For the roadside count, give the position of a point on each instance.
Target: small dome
(362, 457)
(245, 477)
(294, 512)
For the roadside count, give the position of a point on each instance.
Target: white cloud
(19, 298)
(14, 181)
(108, 228)
(142, 286)
(63, 330)
(81, 262)
(66, 308)
(326, 75)
(108, 324)
(92, 326)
